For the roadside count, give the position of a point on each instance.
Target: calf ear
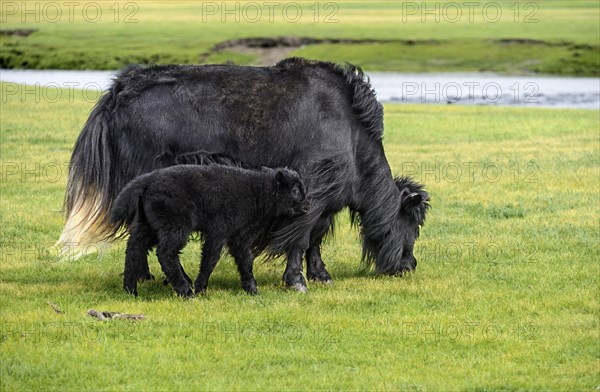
(281, 179)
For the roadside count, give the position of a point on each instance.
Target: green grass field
(552, 36)
(505, 296)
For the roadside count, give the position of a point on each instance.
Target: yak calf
(228, 205)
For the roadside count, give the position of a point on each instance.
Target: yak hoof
(321, 278)
(300, 287)
(319, 275)
(322, 281)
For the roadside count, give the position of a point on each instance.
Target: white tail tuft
(83, 232)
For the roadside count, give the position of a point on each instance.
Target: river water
(431, 88)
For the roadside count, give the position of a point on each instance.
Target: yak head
(414, 203)
(290, 193)
(390, 233)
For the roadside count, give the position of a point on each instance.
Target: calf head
(290, 193)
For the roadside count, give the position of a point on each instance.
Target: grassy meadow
(558, 37)
(505, 296)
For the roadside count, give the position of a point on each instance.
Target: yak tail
(91, 186)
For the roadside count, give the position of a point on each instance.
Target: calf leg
(211, 251)
(143, 269)
(141, 240)
(167, 251)
(293, 271)
(315, 267)
(186, 276)
(244, 259)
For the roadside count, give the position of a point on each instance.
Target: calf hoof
(147, 276)
(200, 288)
(250, 287)
(185, 291)
(131, 290)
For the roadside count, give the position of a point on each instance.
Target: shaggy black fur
(318, 118)
(406, 221)
(227, 205)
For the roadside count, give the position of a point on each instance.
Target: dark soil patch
(269, 50)
(18, 32)
(528, 41)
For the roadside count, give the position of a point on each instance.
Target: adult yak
(321, 119)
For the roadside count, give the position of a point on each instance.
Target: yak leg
(211, 251)
(244, 259)
(167, 251)
(293, 271)
(141, 240)
(315, 267)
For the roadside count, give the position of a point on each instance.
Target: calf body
(228, 205)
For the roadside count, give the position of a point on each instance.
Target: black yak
(227, 205)
(318, 118)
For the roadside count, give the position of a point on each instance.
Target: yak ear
(410, 200)
(412, 194)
